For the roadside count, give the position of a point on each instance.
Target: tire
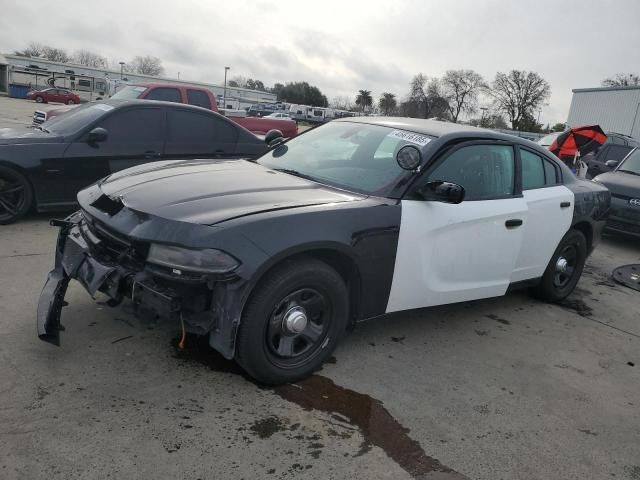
(16, 195)
(266, 348)
(39, 99)
(556, 285)
(70, 102)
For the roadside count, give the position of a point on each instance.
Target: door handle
(513, 223)
(565, 204)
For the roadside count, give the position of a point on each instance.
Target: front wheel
(70, 102)
(564, 269)
(39, 99)
(16, 195)
(292, 322)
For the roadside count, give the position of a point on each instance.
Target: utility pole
(121, 68)
(224, 96)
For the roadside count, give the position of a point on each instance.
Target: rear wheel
(16, 195)
(564, 269)
(292, 322)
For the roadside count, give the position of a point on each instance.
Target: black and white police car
(274, 258)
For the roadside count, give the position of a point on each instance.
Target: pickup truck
(180, 93)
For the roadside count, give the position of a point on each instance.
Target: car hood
(621, 183)
(213, 191)
(16, 136)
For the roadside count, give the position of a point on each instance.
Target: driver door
(451, 253)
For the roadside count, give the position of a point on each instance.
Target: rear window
(166, 94)
(129, 92)
(198, 98)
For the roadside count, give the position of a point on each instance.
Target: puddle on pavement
(376, 424)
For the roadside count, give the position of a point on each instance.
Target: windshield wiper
(628, 171)
(295, 172)
(42, 129)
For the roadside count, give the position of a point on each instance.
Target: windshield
(354, 156)
(76, 118)
(631, 164)
(547, 140)
(129, 92)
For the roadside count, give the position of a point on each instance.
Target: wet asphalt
(506, 388)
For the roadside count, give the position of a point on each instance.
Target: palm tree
(387, 103)
(364, 99)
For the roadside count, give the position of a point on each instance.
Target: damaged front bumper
(203, 304)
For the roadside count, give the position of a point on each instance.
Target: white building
(93, 83)
(614, 109)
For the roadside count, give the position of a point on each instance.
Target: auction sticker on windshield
(410, 137)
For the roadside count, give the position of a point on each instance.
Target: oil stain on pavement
(378, 427)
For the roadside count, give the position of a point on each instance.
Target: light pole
(121, 68)
(224, 95)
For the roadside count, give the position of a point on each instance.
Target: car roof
(121, 102)
(434, 128)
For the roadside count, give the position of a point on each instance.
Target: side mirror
(97, 135)
(273, 137)
(440, 191)
(612, 163)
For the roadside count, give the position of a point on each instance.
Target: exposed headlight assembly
(207, 260)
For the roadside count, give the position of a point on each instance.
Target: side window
(617, 140)
(532, 170)
(194, 133)
(485, 171)
(166, 94)
(616, 152)
(550, 173)
(198, 98)
(139, 125)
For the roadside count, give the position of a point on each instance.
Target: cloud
(342, 46)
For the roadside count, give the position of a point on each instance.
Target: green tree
(518, 94)
(364, 99)
(387, 103)
(302, 93)
(559, 127)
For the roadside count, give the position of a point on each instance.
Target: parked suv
(60, 95)
(609, 155)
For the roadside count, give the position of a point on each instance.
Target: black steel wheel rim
(13, 196)
(564, 276)
(290, 349)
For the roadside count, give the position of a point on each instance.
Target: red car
(60, 95)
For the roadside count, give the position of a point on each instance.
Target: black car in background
(46, 166)
(624, 184)
(606, 157)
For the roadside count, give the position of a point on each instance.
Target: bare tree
(425, 99)
(239, 81)
(622, 80)
(342, 103)
(387, 103)
(147, 65)
(34, 49)
(518, 94)
(90, 59)
(461, 88)
(55, 54)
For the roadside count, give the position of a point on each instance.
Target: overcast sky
(345, 45)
